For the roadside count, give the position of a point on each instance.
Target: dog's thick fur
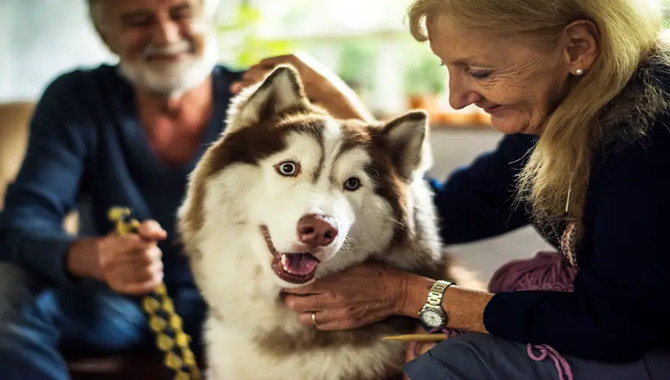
(241, 210)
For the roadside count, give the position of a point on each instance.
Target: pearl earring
(579, 72)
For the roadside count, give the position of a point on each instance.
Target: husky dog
(289, 194)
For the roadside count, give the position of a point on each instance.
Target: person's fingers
(134, 267)
(138, 252)
(141, 288)
(157, 271)
(301, 303)
(340, 319)
(278, 60)
(251, 77)
(260, 70)
(117, 250)
(312, 288)
(122, 243)
(133, 272)
(237, 87)
(150, 255)
(423, 347)
(337, 325)
(322, 285)
(151, 230)
(321, 318)
(255, 75)
(306, 318)
(133, 279)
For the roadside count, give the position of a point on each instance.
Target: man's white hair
(95, 10)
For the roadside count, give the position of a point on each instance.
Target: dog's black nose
(317, 230)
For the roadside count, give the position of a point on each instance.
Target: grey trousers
(485, 357)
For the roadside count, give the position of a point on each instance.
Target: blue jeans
(485, 357)
(36, 321)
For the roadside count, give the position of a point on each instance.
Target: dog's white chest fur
(247, 322)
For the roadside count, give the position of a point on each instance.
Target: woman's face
(504, 75)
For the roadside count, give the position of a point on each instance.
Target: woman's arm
(464, 307)
(478, 201)
(619, 308)
(371, 292)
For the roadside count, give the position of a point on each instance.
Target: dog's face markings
(304, 180)
(313, 193)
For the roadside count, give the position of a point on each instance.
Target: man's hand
(129, 264)
(321, 85)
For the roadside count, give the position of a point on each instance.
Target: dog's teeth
(284, 263)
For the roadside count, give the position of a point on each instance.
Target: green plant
(424, 76)
(243, 46)
(357, 59)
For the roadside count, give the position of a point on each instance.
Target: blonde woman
(582, 89)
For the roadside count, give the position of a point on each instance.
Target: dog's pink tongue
(301, 263)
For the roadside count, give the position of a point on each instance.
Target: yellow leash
(163, 320)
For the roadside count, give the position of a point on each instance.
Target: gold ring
(314, 318)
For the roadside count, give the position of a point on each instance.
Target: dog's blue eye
(352, 184)
(288, 168)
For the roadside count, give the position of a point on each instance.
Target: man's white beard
(173, 79)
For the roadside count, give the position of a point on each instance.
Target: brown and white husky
(289, 194)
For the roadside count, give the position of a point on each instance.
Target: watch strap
(436, 292)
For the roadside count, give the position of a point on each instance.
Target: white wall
(40, 39)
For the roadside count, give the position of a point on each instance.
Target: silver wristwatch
(432, 313)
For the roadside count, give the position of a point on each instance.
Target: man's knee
(463, 346)
(26, 313)
(467, 356)
(459, 357)
(18, 287)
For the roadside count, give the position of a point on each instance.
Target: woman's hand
(369, 293)
(416, 349)
(321, 85)
(355, 297)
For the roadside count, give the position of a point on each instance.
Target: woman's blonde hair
(558, 168)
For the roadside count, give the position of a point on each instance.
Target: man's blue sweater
(86, 146)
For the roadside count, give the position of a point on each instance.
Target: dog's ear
(279, 91)
(406, 137)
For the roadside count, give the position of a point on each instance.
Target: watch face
(432, 318)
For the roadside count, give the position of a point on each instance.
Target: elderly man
(127, 135)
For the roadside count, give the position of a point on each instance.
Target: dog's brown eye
(288, 168)
(352, 184)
